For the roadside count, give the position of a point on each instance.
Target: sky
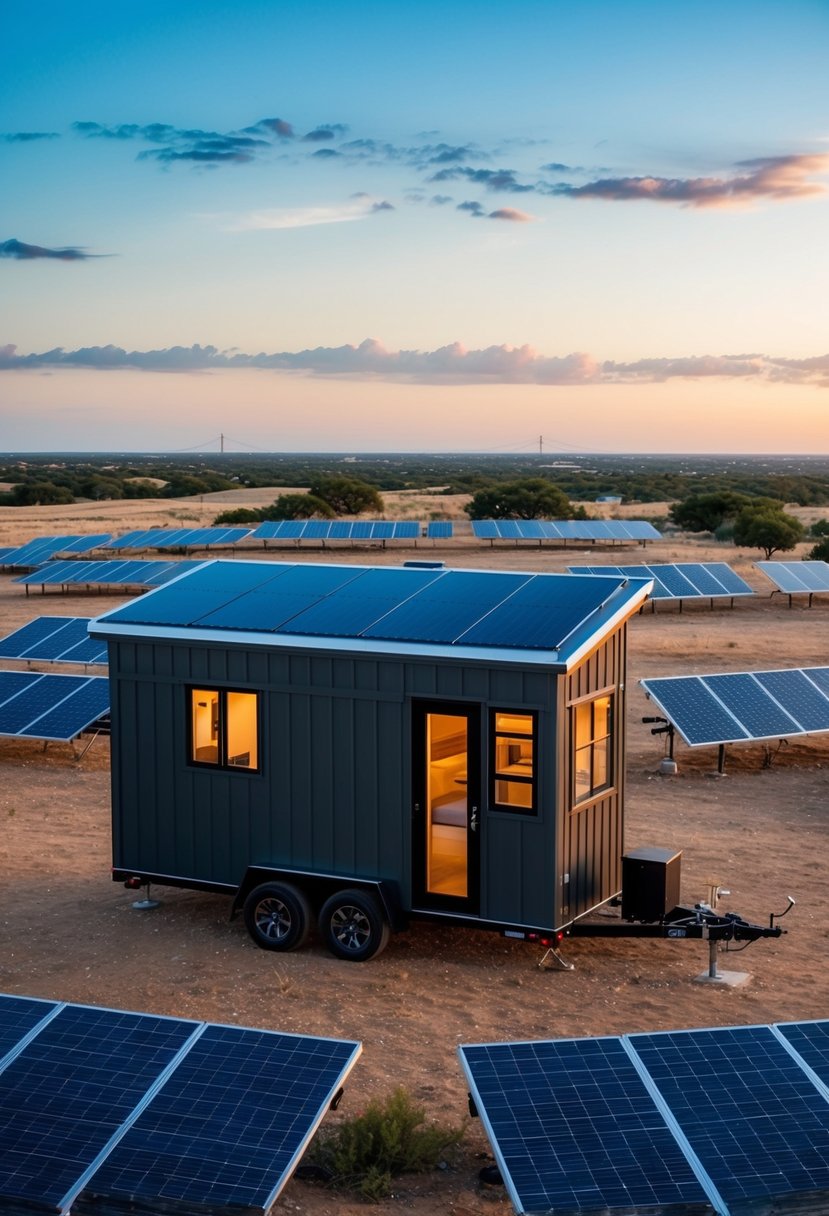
(592, 227)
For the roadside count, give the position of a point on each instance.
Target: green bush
(391, 1137)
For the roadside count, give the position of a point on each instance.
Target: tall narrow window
(592, 723)
(224, 728)
(514, 761)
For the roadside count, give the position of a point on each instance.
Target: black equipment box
(650, 883)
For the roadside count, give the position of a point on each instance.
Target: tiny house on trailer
(363, 745)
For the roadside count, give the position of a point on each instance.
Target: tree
(347, 495)
(820, 552)
(707, 512)
(40, 494)
(767, 528)
(298, 506)
(239, 515)
(528, 498)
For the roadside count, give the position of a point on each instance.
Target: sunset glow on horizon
(379, 229)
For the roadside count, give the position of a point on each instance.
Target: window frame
(495, 776)
(596, 791)
(221, 764)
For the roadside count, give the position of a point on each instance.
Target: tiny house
(357, 746)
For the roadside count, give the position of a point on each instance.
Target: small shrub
(391, 1137)
(724, 534)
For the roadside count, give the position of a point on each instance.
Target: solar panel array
(564, 529)
(718, 1120)
(54, 639)
(58, 707)
(103, 1111)
(440, 529)
(42, 548)
(447, 607)
(133, 573)
(736, 707)
(680, 580)
(179, 538)
(797, 578)
(337, 529)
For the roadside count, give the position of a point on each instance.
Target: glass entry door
(446, 808)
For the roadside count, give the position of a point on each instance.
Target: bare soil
(68, 933)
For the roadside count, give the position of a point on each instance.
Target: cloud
(474, 208)
(358, 207)
(179, 144)
(777, 178)
(440, 200)
(326, 131)
(452, 364)
(273, 126)
(25, 253)
(502, 180)
(512, 215)
(28, 137)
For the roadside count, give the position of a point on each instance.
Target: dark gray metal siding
(334, 791)
(591, 834)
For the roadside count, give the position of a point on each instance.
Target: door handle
(473, 821)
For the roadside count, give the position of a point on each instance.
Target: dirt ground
(68, 933)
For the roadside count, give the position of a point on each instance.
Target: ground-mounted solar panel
(750, 1113)
(280, 1087)
(681, 580)
(54, 639)
(84, 544)
(104, 1111)
(39, 550)
(485, 529)
(50, 707)
(440, 529)
(69, 1091)
(733, 707)
(122, 572)
(574, 1128)
(407, 529)
(19, 1015)
(811, 1042)
(797, 578)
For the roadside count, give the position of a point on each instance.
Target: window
(513, 761)
(224, 728)
(592, 731)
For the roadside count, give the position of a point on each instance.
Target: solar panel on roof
(277, 601)
(540, 614)
(574, 1128)
(446, 607)
(359, 603)
(103, 1111)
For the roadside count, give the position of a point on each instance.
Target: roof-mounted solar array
(680, 580)
(337, 529)
(54, 639)
(698, 1121)
(133, 573)
(179, 538)
(412, 605)
(738, 707)
(564, 529)
(50, 707)
(797, 578)
(104, 1112)
(40, 550)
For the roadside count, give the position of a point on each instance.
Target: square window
(224, 728)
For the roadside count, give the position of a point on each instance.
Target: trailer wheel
(277, 916)
(353, 925)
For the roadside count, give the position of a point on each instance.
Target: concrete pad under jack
(724, 979)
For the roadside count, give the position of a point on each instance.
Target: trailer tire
(353, 925)
(277, 916)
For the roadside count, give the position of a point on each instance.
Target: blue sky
(421, 227)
